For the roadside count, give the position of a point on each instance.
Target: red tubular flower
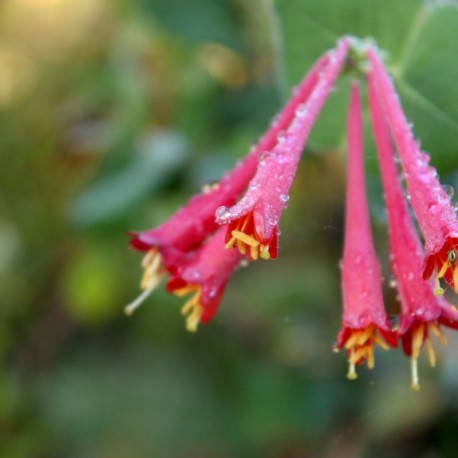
(422, 311)
(253, 221)
(204, 276)
(431, 204)
(365, 322)
(171, 245)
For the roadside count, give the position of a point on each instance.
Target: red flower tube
(365, 322)
(253, 221)
(169, 246)
(423, 312)
(430, 203)
(204, 277)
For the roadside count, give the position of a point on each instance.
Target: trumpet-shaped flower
(430, 203)
(365, 322)
(204, 277)
(253, 221)
(423, 312)
(180, 240)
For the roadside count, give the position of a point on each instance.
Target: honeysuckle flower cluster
(237, 220)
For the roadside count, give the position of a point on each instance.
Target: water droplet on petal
(434, 209)
(222, 214)
(449, 190)
(284, 197)
(301, 110)
(281, 137)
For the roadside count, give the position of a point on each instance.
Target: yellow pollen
(264, 249)
(192, 309)
(153, 273)
(438, 290)
(245, 238)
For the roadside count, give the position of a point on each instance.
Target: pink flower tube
(431, 204)
(170, 246)
(364, 321)
(253, 221)
(422, 311)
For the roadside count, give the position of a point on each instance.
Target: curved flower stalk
(174, 245)
(365, 322)
(431, 204)
(423, 312)
(253, 221)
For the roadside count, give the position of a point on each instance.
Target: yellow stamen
(153, 273)
(455, 279)
(360, 347)
(380, 342)
(431, 354)
(245, 238)
(247, 243)
(444, 268)
(359, 337)
(231, 243)
(415, 385)
(351, 374)
(417, 340)
(254, 252)
(370, 357)
(437, 331)
(192, 308)
(438, 290)
(420, 337)
(264, 249)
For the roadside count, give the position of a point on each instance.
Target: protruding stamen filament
(415, 385)
(192, 309)
(351, 374)
(153, 273)
(129, 309)
(153, 269)
(360, 347)
(420, 337)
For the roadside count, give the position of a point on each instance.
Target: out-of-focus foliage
(111, 114)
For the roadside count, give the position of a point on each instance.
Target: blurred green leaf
(420, 41)
(158, 155)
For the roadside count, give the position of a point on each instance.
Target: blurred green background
(112, 113)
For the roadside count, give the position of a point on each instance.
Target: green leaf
(419, 39)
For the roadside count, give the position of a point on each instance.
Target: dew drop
(264, 155)
(284, 197)
(281, 137)
(222, 213)
(301, 110)
(393, 282)
(244, 263)
(449, 190)
(434, 209)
